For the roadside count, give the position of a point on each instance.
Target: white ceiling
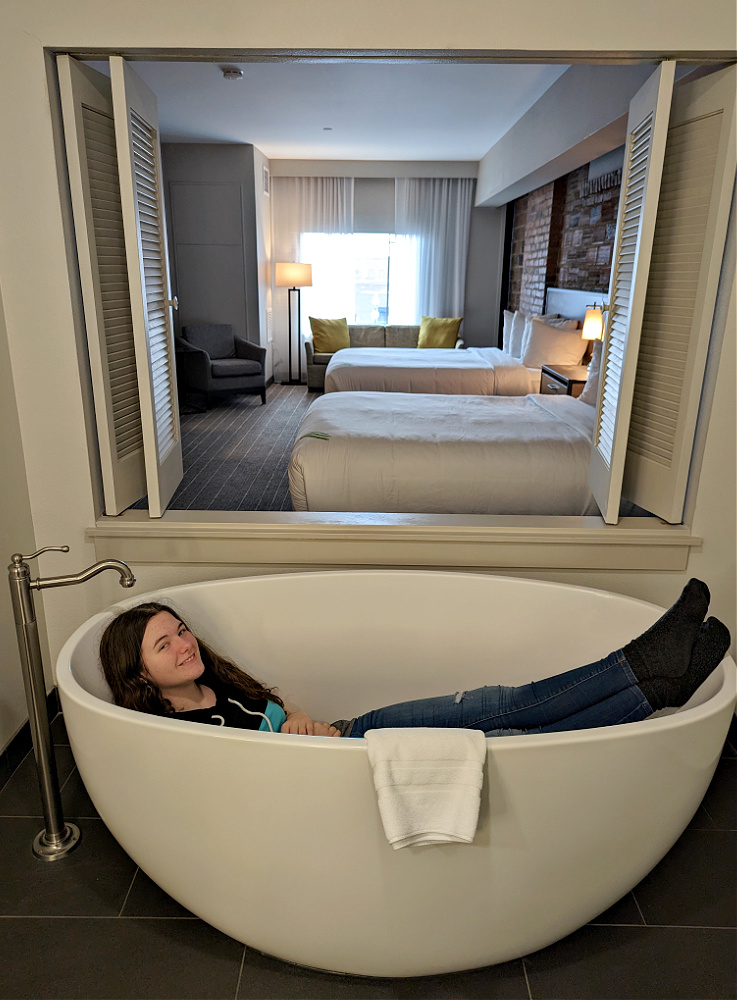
(346, 111)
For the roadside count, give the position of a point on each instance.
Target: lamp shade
(293, 275)
(593, 325)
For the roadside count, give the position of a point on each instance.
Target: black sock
(709, 650)
(665, 649)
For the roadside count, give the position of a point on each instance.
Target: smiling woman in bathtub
(153, 663)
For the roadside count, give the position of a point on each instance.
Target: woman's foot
(665, 649)
(709, 650)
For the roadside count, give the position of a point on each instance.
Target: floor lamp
(294, 276)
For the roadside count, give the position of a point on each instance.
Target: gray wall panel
(212, 283)
(206, 213)
(212, 231)
(482, 309)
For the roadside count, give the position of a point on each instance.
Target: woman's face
(170, 654)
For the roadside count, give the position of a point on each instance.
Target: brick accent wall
(517, 252)
(562, 236)
(587, 238)
(533, 239)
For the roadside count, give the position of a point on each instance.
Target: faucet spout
(127, 579)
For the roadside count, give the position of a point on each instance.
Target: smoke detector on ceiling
(231, 73)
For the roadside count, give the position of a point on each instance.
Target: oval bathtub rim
(70, 688)
(159, 592)
(531, 582)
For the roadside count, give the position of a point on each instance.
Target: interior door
(142, 203)
(647, 127)
(689, 241)
(89, 134)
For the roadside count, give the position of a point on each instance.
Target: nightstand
(563, 380)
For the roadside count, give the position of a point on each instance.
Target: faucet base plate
(47, 850)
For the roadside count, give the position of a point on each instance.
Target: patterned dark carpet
(236, 453)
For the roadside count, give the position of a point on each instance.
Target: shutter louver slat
(99, 134)
(681, 221)
(154, 277)
(632, 202)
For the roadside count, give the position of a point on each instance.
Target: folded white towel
(428, 783)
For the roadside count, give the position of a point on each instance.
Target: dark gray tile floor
(93, 926)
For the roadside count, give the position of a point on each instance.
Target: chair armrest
(309, 350)
(248, 351)
(184, 347)
(194, 363)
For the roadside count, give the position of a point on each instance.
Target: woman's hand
(300, 724)
(325, 729)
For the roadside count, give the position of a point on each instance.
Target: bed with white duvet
(461, 454)
(477, 371)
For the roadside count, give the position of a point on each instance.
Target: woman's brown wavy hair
(122, 664)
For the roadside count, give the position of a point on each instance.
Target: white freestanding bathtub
(277, 841)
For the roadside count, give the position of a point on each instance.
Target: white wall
(715, 506)
(38, 292)
(582, 116)
(16, 535)
(655, 28)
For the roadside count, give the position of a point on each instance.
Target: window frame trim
(482, 542)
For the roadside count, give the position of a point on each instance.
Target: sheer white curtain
(304, 205)
(433, 219)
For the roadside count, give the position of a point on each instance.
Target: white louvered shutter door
(690, 234)
(647, 127)
(136, 130)
(89, 135)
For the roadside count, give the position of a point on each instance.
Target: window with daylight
(370, 278)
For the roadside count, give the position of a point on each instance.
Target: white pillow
(551, 345)
(590, 391)
(517, 335)
(507, 330)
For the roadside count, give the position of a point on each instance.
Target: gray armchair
(213, 360)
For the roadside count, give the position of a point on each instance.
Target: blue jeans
(604, 693)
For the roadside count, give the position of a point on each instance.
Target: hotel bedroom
(232, 207)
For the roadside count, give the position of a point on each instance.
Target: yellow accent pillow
(438, 332)
(329, 335)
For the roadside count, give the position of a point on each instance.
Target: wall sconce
(593, 324)
(593, 328)
(294, 276)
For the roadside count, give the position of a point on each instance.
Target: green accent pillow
(438, 332)
(329, 335)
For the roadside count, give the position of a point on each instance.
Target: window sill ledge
(320, 540)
